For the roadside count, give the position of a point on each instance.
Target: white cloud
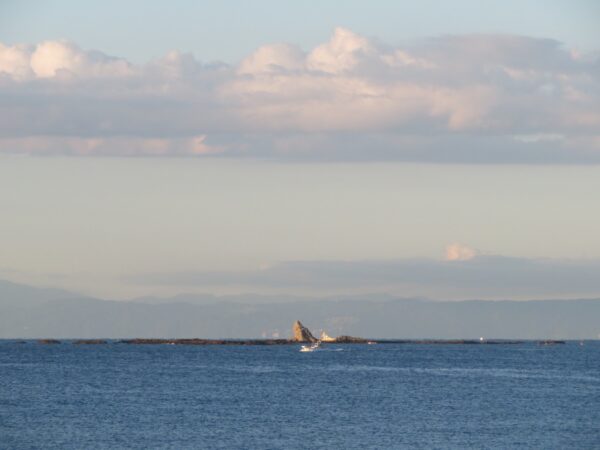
(474, 98)
(459, 252)
(15, 61)
(273, 58)
(50, 59)
(343, 52)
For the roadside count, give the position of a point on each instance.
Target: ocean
(380, 396)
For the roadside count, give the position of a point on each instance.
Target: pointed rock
(301, 333)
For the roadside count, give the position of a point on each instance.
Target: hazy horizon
(32, 313)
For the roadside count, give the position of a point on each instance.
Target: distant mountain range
(29, 312)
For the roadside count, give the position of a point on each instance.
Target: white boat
(311, 348)
(326, 338)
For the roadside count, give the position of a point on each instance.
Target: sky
(444, 150)
(230, 30)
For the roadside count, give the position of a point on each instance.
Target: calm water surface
(355, 396)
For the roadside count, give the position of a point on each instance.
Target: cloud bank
(479, 276)
(472, 98)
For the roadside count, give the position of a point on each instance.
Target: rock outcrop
(196, 341)
(48, 341)
(350, 340)
(301, 333)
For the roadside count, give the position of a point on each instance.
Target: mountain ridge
(383, 317)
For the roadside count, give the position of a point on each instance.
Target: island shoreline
(279, 342)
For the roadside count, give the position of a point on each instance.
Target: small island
(300, 335)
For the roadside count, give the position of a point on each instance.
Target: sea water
(344, 396)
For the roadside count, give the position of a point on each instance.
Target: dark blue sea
(345, 396)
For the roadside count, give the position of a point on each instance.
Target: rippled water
(354, 396)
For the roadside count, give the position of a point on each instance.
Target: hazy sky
(449, 150)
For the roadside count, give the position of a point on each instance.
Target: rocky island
(300, 334)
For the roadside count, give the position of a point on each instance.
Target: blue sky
(229, 30)
(453, 141)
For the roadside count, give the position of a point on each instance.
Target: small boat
(311, 348)
(326, 338)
